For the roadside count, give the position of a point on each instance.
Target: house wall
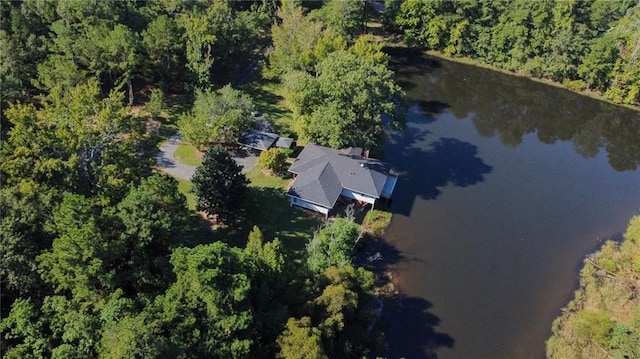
(357, 196)
(314, 207)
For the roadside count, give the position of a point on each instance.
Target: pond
(505, 185)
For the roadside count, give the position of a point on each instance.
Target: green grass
(187, 154)
(185, 188)
(259, 179)
(268, 208)
(267, 97)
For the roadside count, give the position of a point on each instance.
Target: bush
(575, 85)
(274, 160)
(376, 222)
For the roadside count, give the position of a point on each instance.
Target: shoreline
(477, 63)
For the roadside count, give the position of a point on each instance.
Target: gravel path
(167, 162)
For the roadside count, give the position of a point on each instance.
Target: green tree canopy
(332, 245)
(274, 160)
(26, 209)
(603, 320)
(206, 312)
(77, 141)
(220, 187)
(217, 117)
(154, 220)
(345, 104)
(301, 340)
(164, 53)
(78, 260)
(579, 43)
(346, 17)
(293, 41)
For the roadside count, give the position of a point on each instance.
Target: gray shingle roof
(258, 140)
(323, 172)
(261, 140)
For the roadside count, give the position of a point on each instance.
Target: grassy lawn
(185, 188)
(259, 179)
(187, 154)
(267, 97)
(269, 209)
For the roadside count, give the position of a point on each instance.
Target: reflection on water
(511, 108)
(505, 185)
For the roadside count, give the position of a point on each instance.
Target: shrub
(274, 160)
(376, 222)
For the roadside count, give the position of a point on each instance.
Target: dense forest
(101, 256)
(603, 320)
(585, 45)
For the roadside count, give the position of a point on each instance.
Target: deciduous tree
(345, 104)
(155, 220)
(274, 160)
(217, 117)
(332, 245)
(206, 312)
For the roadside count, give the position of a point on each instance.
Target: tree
(344, 105)
(199, 40)
(597, 65)
(346, 17)
(332, 245)
(219, 186)
(206, 312)
(603, 320)
(100, 47)
(23, 236)
(59, 328)
(155, 105)
(23, 332)
(78, 260)
(301, 340)
(217, 117)
(293, 41)
(270, 276)
(625, 86)
(154, 220)
(274, 160)
(76, 141)
(23, 39)
(345, 310)
(165, 53)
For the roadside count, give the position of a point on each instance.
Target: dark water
(506, 185)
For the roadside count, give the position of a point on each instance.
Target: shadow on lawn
(269, 209)
(266, 100)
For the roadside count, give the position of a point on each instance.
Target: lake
(505, 185)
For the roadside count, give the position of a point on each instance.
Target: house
(323, 175)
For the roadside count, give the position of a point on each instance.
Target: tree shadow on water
(424, 171)
(409, 327)
(410, 331)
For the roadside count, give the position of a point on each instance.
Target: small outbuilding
(261, 140)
